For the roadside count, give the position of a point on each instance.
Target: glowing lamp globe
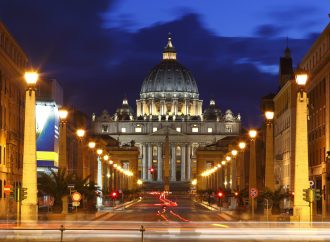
(63, 114)
(301, 77)
(91, 145)
(31, 77)
(99, 151)
(234, 152)
(106, 157)
(228, 158)
(223, 162)
(242, 145)
(269, 115)
(253, 133)
(80, 133)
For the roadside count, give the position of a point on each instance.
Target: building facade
(169, 106)
(317, 63)
(284, 124)
(13, 62)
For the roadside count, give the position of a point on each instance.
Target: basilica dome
(169, 79)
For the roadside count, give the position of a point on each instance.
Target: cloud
(268, 30)
(98, 66)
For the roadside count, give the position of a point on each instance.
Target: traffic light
(23, 193)
(236, 194)
(220, 194)
(306, 195)
(152, 170)
(114, 195)
(317, 194)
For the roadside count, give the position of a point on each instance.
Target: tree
(55, 184)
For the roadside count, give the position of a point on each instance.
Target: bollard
(142, 229)
(62, 230)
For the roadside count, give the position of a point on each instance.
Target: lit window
(104, 128)
(229, 129)
(154, 129)
(123, 130)
(138, 130)
(194, 129)
(209, 130)
(178, 129)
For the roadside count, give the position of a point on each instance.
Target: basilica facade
(169, 106)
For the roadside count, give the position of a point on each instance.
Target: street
(174, 218)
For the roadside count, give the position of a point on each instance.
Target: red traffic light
(114, 194)
(152, 169)
(220, 194)
(236, 194)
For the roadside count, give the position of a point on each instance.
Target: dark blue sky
(101, 50)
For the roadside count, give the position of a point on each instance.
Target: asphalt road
(167, 219)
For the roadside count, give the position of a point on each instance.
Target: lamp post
(99, 177)
(29, 209)
(80, 133)
(62, 152)
(111, 175)
(252, 167)
(106, 183)
(301, 209)
(241, 165)
(234, 169)
(228, 171)
(269, 166)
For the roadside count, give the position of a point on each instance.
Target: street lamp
(252, 167)
(99, 200)
(81, 133)
(241, 165)
(29, 209)
(301, 211)
(269, 157)
(91, 144)
(234, 169)
(242, 145)
(62, 152)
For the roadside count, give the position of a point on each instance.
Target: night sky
(100, 51)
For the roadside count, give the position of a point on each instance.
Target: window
(178, 129)
(154, 129)
(123, 130)
(104, 128)
(228, 129)
(209, 130)
(194, 129)
(138, 130)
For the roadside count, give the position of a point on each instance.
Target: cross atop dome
(169, 52)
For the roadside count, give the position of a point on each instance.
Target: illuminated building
(316, 62)
(13, 62)
(169, 104)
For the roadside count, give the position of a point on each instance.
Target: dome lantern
(169, 52)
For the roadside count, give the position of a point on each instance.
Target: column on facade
(175, 103)
(149, 162)
(162, 107)
(144, 162)
(183, 162)
(234, 177)
(173, 163)
(138, 108)
(185, 111)
(160, 163)
(188, 162)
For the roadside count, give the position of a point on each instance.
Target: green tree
(55, 184)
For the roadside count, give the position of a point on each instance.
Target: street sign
(76, 197)
(75, 204)
(71, 186)
(7, 189)
(311, 183)
(253, 192)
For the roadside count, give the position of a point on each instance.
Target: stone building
(169, 105)
(13, 62)
(317, 62)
